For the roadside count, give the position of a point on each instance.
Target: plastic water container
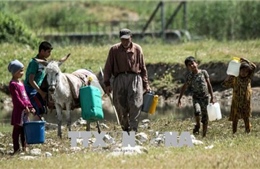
(154, 104)
(34, 132)
(214, 112)
(91, 103)
(147, 101)
(234, 66)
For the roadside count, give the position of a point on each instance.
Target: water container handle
(150, 92)
(237, 59)
(211, 104)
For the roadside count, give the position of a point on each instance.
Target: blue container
(91, 103)
(34, 132)
(147, 102)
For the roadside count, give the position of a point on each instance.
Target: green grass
(94, 56)
(5, 127)
(229, 151)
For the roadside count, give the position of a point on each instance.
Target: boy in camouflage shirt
(199, 83)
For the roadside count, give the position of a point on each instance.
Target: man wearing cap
(34, 77)
(125, 63)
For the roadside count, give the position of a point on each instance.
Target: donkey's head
(53, 72)
(53, 75)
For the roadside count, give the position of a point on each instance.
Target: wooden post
(184, 23)
(153, 14)
(170, 21)
(162, 21)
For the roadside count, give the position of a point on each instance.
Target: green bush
(13, 30)
(225, 19)
(250, 23)
(221, 20)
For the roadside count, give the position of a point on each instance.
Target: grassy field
(94, 56)
(229, 151)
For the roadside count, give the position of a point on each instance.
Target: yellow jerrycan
(153, 105)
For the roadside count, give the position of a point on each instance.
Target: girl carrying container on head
(241, 107)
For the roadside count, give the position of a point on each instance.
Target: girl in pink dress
(21, 104)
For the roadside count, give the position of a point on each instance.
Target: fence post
(151, 17)
(162, 21)
(184, 23)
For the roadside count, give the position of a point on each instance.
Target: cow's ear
(43, 62)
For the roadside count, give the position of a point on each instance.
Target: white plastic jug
(234, 66)
(214, 112)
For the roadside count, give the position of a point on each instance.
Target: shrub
(13, 30)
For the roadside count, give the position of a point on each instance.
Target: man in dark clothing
(125, 62)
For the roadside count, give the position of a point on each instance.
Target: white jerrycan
(214, 112)
(234, 66)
